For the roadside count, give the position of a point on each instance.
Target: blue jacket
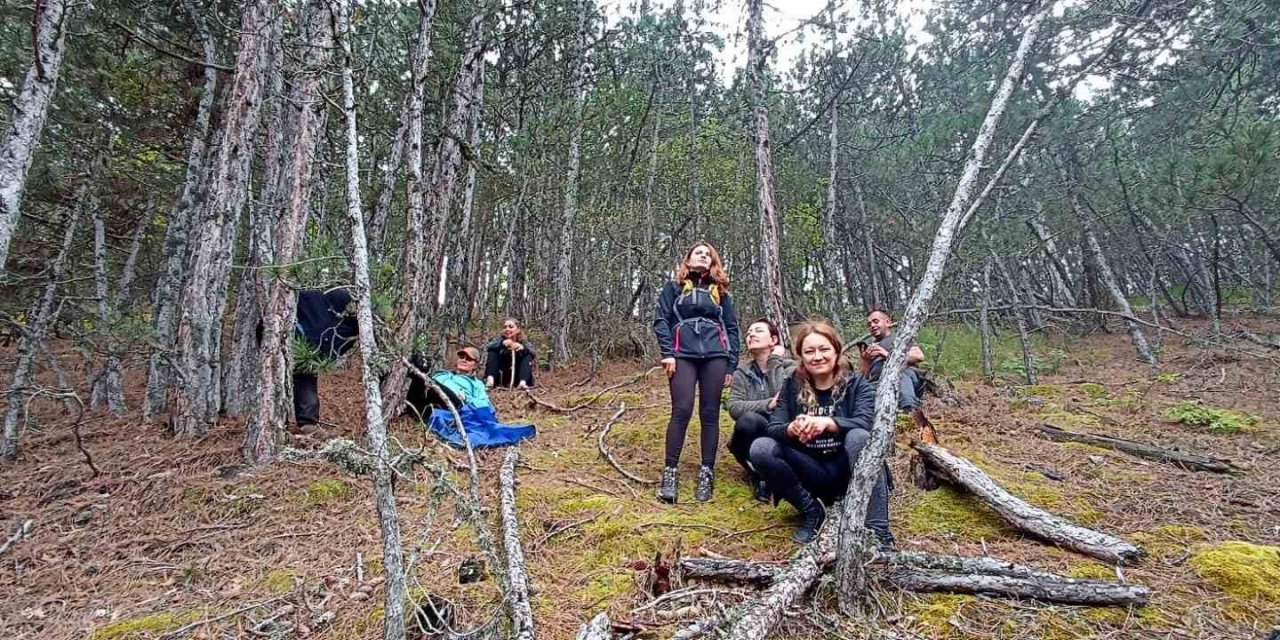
(690, 325)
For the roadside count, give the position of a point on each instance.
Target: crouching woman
(816, 434)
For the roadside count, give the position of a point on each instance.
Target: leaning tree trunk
(850, 571)
(564, 276)
(375, 428)
(770, 250)
(193, 398)
(1107, 276)
(30, 108)
(180, 221)
(38, 321)
(414, 278)
(108, 384)
(274, 356)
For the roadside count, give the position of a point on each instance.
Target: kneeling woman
(817, 433)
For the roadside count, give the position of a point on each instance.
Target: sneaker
(706, 483)
(668, 488)
(488, 382)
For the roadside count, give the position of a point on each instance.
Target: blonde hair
(808, 394)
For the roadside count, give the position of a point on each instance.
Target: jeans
(797, 476)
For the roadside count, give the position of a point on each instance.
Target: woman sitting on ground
(817, 433)
(754, 394)
(510, 358)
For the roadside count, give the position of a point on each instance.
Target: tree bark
(274, 355)
(771, 290)
(517, 575)
(30, 109)
(413, 276)
(40, 317)
(375, 429)
(181, 220)
(193, 398)
(850, 572)
(563, 273)
(1189, 461)
(984, 322)
(1026, 518)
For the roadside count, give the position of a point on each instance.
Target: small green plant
(1217, 420)
(326, 490)
(308, 359)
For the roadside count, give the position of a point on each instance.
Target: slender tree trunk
(391, 166)
(39, 319)
(563, 274)
(181, 219)
(852, 536)
(108, 384)
(830, 271)
(873, 297)
(771, 284)
(193, 398)
(273, 362)
(30, 109)
(984, 322)
(413, 275)
(470, 241)
(376, 431)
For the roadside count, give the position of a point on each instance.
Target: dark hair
(883, 312)
(773, 328)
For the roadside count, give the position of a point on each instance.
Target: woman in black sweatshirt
(697, 332)
(817, 432)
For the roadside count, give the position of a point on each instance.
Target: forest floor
(173, 532)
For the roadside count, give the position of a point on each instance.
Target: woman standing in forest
(697, 332)
(816, 433)
(510, 358)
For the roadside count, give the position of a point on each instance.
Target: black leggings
(708, 375)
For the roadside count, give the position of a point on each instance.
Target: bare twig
(604, 449)
(200, 623)
(589, 401)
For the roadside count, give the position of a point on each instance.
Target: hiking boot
(762, 492)
(668, 489)
(812, 515)
(706, 483)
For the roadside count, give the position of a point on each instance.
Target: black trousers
(500, 366)
(306, 398)
(746, 429)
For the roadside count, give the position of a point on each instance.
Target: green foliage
(1217, 420)
(307, 358)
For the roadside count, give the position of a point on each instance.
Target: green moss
(326, 490)
(1033, 488)
(1168, 378)
(1181, 532)
(152, 625)
(1088, 516)
(950, 512)
(1249, 573)
(604, 588)
(1217, 420)
(595, 502)
(935, 613)
(1093, 389)
(247, 500)
(1057, 416)
(1040, 390)
(1169, 540)
(1091, 571)
(279, 580)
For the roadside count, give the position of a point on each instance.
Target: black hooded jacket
(690, 324)
(854, 408)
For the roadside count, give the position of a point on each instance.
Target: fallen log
(755, 618)
(761, 573)
(1189, 461)
(928, 573)
(1090, 593)
(517, 576)
(598, 628)
(1031, 520)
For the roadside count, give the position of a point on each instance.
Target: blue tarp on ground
(483, 428)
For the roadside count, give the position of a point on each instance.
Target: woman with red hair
(697, 332)
(817, 433)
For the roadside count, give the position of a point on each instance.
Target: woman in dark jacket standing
(697, 332)
(817, 433)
